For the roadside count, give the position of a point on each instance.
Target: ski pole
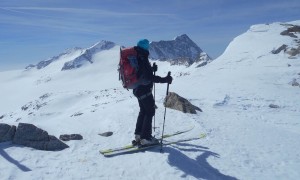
(162, 136)
(154, 98)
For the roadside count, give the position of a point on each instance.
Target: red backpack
(128, 68)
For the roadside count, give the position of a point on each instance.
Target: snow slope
(246, 139)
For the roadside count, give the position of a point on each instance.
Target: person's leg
(140, 120)
(149, 111)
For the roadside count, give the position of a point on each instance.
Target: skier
(143, 130)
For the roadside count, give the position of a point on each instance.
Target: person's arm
(156, 79)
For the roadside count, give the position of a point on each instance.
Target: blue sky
(34, 30)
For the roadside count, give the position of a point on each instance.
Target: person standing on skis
(143, 130)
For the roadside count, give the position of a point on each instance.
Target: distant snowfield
(246, 139)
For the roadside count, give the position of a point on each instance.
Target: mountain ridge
(180, 51)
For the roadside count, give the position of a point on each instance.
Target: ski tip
(106, 151)
(203, 135)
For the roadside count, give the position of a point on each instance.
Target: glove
(168, 79)
(154, 67)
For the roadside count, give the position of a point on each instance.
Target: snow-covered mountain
(249, 97)
(44, 63)
(79, 56)
(181, 50)
(88, 54)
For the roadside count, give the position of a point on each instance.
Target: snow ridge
(45, 63)
(87, 56)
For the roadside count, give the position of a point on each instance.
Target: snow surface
(246, 139)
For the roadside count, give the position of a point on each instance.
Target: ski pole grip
(154, 67)
(169, 74)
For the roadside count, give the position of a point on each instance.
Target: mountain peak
(103, 45)
(180, 50)
(88, 55)
(182, 38)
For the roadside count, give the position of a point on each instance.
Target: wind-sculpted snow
(55, 104)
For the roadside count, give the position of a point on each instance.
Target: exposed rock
(45, 63)
(33, 105)
(43, 79)
(87, 55)
(68, 137)
(293, 51)
(45, 96)
(106, 134)
(31, 136)
(294, 29)
(286, 33)
(180, 51)
(295, 83)
(30, 66)
(201, 64)
(278, 50)
(174, 101)
(7, 132)
(290, 31)
(273, 106)
(77, 114)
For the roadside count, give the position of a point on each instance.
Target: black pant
(144, 120)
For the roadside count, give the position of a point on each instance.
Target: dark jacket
(145, 71)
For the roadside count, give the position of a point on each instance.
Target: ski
(143, 148)
(107, 151)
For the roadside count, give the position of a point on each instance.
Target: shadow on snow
(199, 167)
(11, 159)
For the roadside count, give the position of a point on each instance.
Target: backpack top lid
(144, 44)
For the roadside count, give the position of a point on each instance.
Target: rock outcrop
(174, 101)
(69, 137)
(31, 136)
(7, 132)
